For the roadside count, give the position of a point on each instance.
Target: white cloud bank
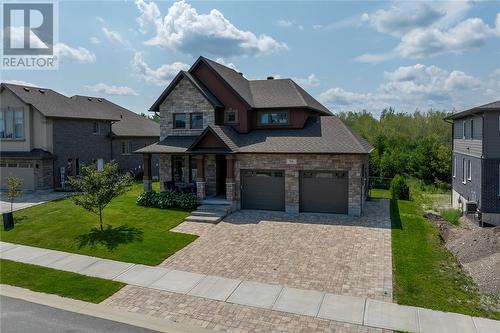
(159, 76)
(80, 54)
(428, 29)
(417, 86)
(184, 30)
(104, 88)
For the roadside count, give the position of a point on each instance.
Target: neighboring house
(46, 137)
(260, 144)
(476, 160)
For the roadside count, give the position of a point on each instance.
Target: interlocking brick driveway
(337, 254)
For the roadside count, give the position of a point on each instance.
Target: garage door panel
(324, 192)
(24, 172)
(263, 189)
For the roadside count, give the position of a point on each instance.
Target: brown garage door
(263, 189)
(324, 191)
(24, 171)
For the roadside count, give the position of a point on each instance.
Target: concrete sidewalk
(355, 310)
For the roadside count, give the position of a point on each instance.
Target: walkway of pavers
(356, 310)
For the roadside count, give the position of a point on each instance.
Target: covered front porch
(209, 175)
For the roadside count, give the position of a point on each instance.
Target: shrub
(147, 199)
(399, 188)
(187, 201)
(451, 215)
(168, 199)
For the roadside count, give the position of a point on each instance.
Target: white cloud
(348, 22)
(80, 54)
(416, 87)
(428, 29)
(310, 81)
(104, 88)
(159, 76)
(184, 30)
(285, 23)
(227, 64)
(113, 36)
(95, 40)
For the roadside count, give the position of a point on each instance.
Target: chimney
(270, 77)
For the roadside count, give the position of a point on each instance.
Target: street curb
(99, 311)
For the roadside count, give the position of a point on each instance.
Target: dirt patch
(476, 248)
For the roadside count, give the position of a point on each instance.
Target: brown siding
(210, 141)
(224, 94)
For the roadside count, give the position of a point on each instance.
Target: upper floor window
(12, 125)
(95, 127)
(454, 166)
(196, 120)
(472, 129)
(126, 147)
(463, 129)
(179, 120)
(273, 118)
(230, 116)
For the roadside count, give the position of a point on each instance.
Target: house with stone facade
(256, 144)
(46, 136)
(476, 161)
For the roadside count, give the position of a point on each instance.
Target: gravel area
(477, 249)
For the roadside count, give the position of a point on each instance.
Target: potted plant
(13, 191)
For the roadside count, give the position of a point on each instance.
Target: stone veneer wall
(350, 163)
(184, 98)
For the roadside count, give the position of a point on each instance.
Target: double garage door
(319, 191)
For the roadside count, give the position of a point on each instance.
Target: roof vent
(89, 98)
(41, 91)
(99, 100)
(26, 89)
(270, 77)
(240, 73)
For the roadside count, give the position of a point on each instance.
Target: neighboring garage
(324, 192)
(263, 189)
(24, 171)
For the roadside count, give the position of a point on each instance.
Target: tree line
(417, 144)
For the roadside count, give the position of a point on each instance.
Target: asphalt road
(18, 316)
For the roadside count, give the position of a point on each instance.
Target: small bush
(451, 215)
(187, 201)
(147, 199)
(168, 199)
(399, 188)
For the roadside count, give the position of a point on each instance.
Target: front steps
(210, 211)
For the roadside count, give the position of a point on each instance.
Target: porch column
(230, 184)
(200, 178)
(146, 179)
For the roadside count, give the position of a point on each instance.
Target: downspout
(452, 150)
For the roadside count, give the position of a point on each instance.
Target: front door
(220, 175)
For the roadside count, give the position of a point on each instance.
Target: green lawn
(425, 273)
(57, 282)
(133, 233)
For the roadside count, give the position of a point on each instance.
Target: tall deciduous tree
(98, 188)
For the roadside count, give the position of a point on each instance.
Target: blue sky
(350, 55)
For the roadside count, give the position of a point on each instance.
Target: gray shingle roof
(478, 109)
(130, 124)
(328, 135)
(53, 104)
(267, 93)
(171, 144)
